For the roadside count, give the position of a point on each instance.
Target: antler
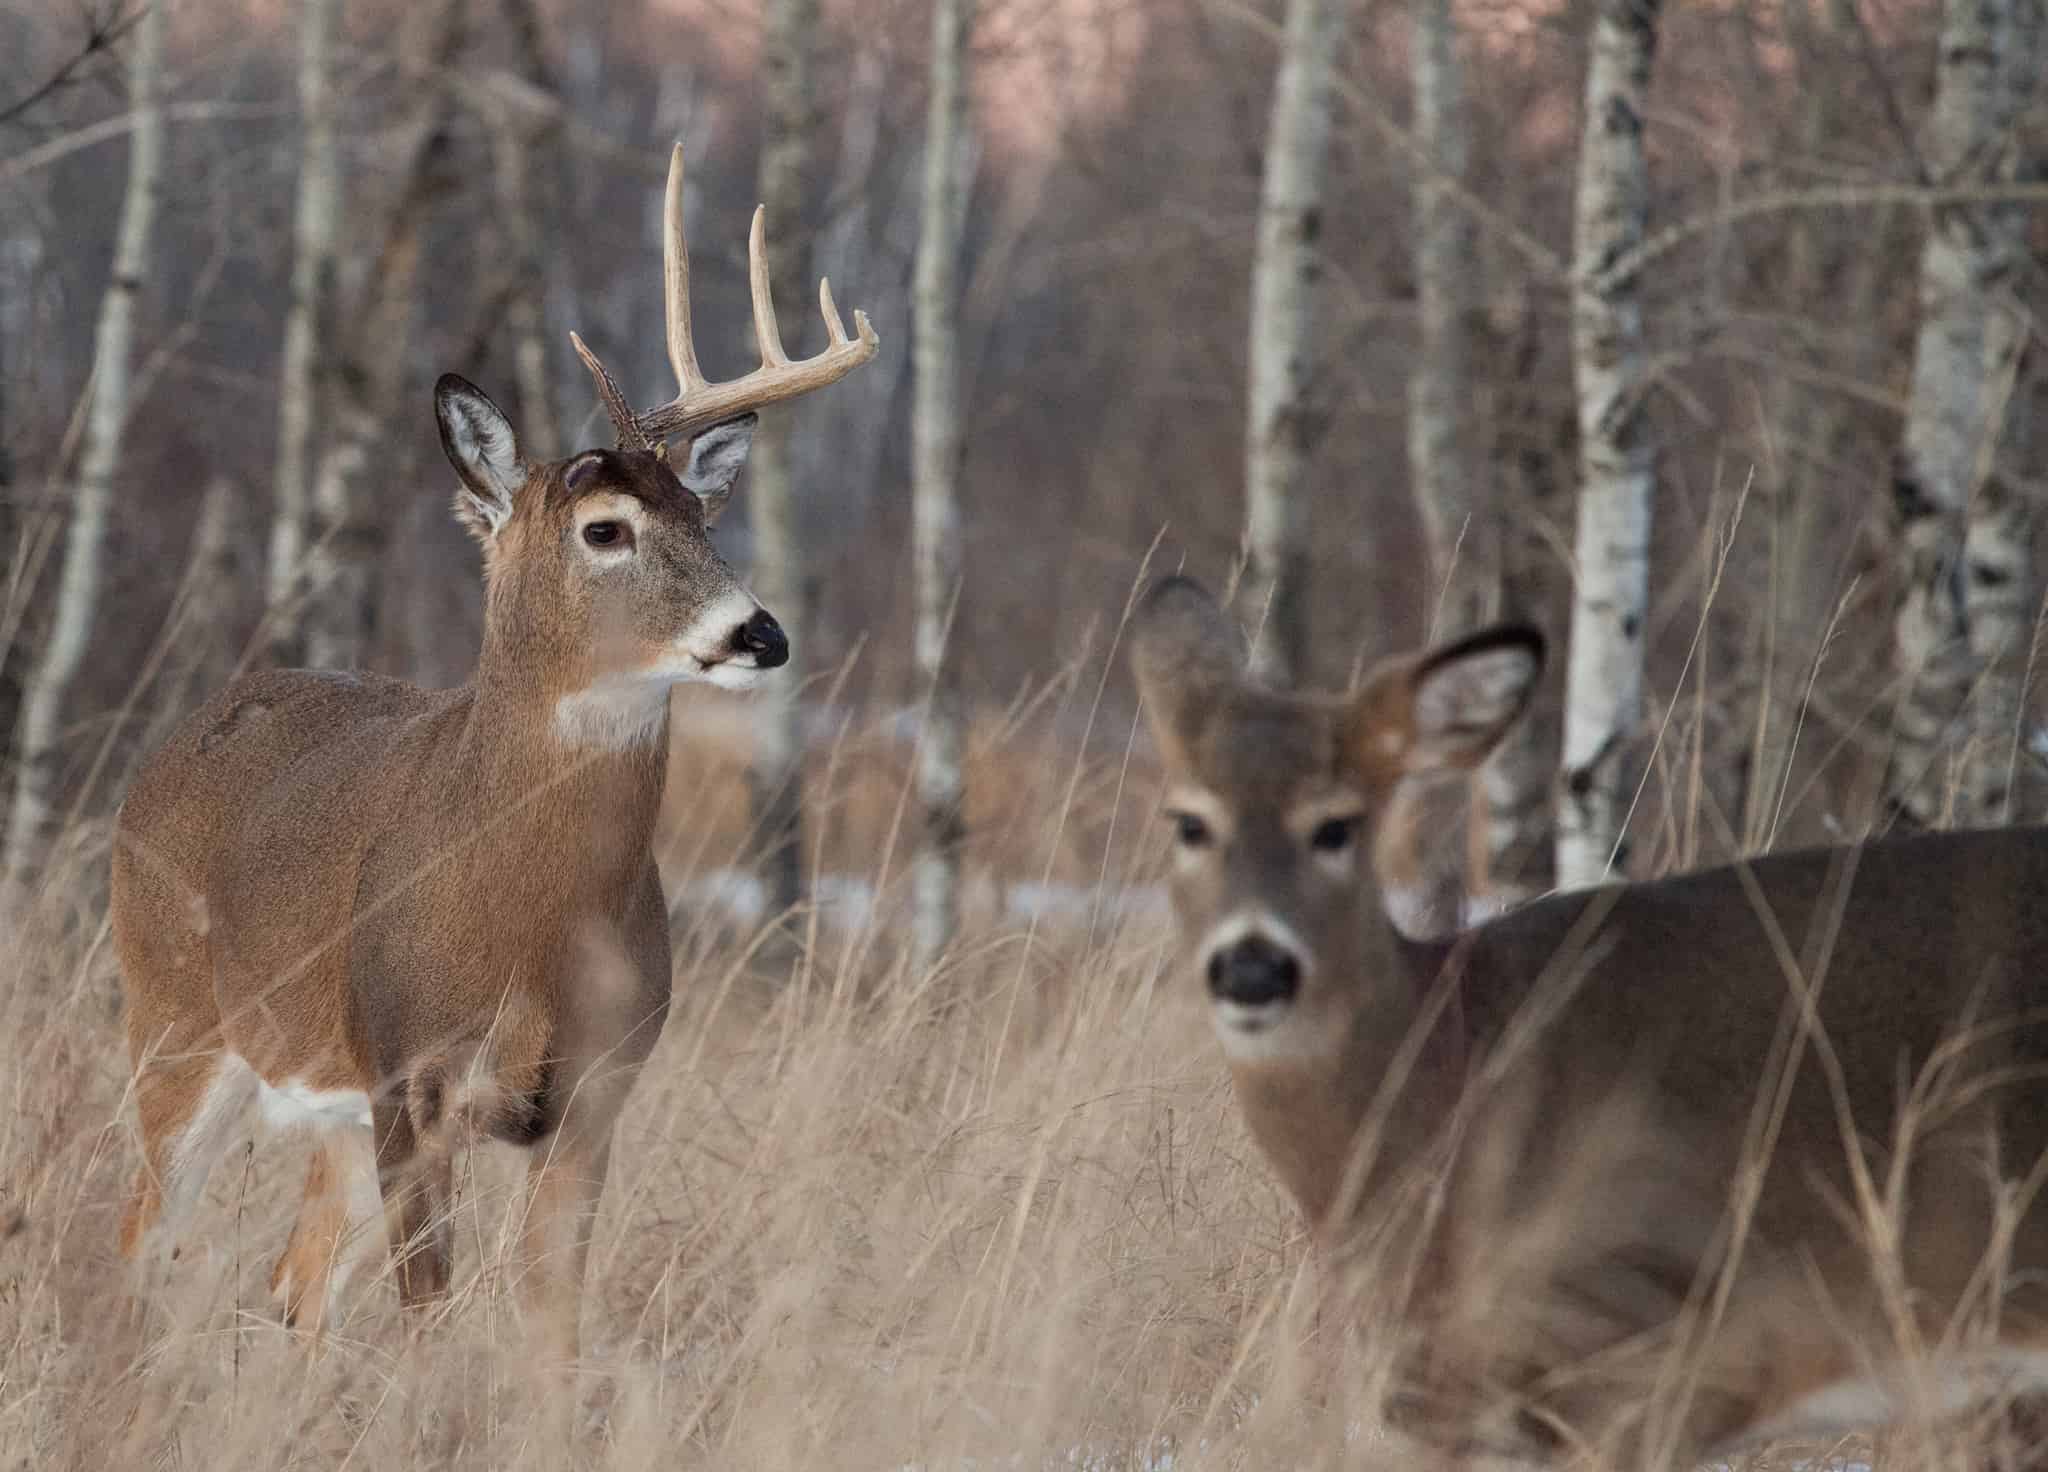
(699, 403)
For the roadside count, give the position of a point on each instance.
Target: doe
(1654, 1171)
(396, 913)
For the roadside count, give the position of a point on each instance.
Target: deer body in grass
(397, 914)
(1660, 1169)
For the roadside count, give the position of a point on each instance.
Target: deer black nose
(763, 638)
(1253, 972)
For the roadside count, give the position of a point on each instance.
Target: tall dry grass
(1001, 1214)
(997, 1214)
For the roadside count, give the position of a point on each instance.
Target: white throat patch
(615, 714)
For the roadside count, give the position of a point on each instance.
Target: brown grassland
(999, 1215)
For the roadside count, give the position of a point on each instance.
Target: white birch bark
(935, 465)
(1533, 457)
(1287, 269)
(513, 147)
(1999, 597)
(872, 239)
(777, 772)
(1464, 517)
(1617, 476)
(299, 388)
(346, 538)
(13, 545)
(524, 143)
(207, 616)
(1443, 461)
(39, 745)
(1951, 415)
(2000, 587)
(1833, 277)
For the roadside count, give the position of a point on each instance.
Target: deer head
(601, 580)
(1279, 805)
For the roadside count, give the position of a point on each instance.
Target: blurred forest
(1793, 168)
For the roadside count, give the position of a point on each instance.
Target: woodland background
(1703, 335)
(497, 182)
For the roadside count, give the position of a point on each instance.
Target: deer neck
(1328, 1121)
(532, 779)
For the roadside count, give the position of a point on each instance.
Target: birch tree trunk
(935, 466)
(2000, 588)
(777, 774)
(1443, 461)
(1287, 268)
(22, 253)
(1951, 418)
(1465, 517)
(1999, 594)
(13, 569)
(871, 239)
(1617, 474)
(38, 744)
(204, 656)
(524, 149)
(1835, 277)
(299, 396)
(346, 530)
(1534, 459)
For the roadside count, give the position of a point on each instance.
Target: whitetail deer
(1656, 1169)
(394, 913)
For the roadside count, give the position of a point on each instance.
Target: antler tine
(766, 332)
(675, 283)
(699, 403)
(834, 328)
(838, 328)
(624, 422)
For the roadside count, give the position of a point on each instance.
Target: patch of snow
(1072, 906)
(845, 901)
(732, 895)
(849, 902)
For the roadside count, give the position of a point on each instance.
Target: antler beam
(699, 403)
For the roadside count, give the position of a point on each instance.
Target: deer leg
(565, 1180)
(342, 1198)
(190, 1109)
(414, 1175)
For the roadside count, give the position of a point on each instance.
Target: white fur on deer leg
(210, 1130)
(293, 1103)
(363, 1236)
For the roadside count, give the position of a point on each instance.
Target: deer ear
(717, 456)
(480, 444)
(1446, 709)
(1184, 650)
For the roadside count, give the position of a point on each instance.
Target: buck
(1656, 1170)
(399, 915)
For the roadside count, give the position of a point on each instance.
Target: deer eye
(1333, 835)
(1191, 831)
(605, 534)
